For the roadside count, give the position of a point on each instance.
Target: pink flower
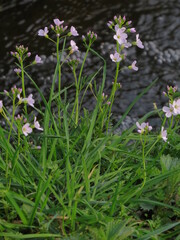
(29, 100)
(74, 48)
(115, 57)
(110, 24)
(143, 127)
(163, 134)
(132, 30)
(43, 33)
(74, 31)
(133, 66)
(127, 44)
(1, 106)
(17, 70)
(37, 125)
(169, 111)
(176, 106)
(138, 42)
(37, 59)
(26, 129)
(120, 36)
(57, 22)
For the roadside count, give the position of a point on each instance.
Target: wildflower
(169, 111)
(127, 44)
(138, 42)
(133, 66)
(29, 54)
(83, 38)
(17, 70)
(19, 117)
(37, 59)
(26, 129)
(1, 106)
(74, 48)
(43, 33)
(143, 127)
(129, 22)
(74, 31)
(120, 36)
(104, 96)
(163, 134)
(57, 22)
(29, 100)
(115, 57)
(123, 29)
(37, 125)
(132, 30)
(92, 35)
(110, 24)
(108, 103)
(176, 106)
(6, 92)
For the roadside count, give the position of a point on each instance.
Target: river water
(157, 22)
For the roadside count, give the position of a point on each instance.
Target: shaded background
(157, 21)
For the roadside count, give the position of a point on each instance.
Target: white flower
(138, 42)
(74, 31)
(115, 57)
(43, 33)
(133, 66)
(176, 106)
(143, 127)
(26, 129)
(74, 48)
(37, 125)
(57, 22)
(120, 36)
(169, 111)
(29, 100)
(163, 134)
(38, 59)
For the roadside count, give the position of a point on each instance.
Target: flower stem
(23, 85)
(112, 96)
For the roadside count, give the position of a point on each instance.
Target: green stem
(23, 85)
(9, 136)
(59, 68)
(113, 92)
(78, 85)
(144, 162)
(76, 103)
(157, 140)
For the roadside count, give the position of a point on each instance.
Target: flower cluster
(91, 36)
(121, 27)
(21, 53)
(143, 127)
(59, 29)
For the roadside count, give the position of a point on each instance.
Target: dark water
(157, 21)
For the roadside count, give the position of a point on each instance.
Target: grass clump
(70, 176)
